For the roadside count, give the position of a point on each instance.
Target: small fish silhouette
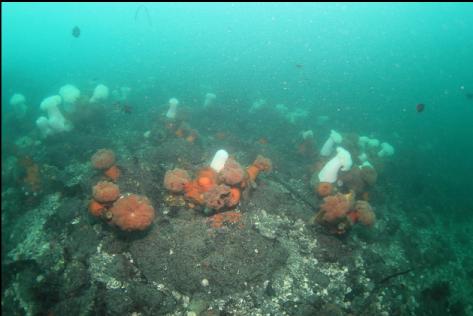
(76, 31)
(420, 107)
(127, 109)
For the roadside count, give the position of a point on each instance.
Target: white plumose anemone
(43, 125)
(69, 93)
(342, 161)
(386, 150)
(17, 99)
(55, 122)
(100, 93)
(18, 103)
(366, 164)
(209, 99)
(364, 142)
(172, 111)
(373, 143)
(363, 157)
(219, 160)
(329, 145)
(309, 134)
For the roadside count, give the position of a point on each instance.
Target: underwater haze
(237, 158)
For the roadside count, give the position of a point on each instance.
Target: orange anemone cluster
(260, 164)
(205, 181)
(129, 213)
(104, 159)
(340, 212)
(336, 207)
(104, 194)
(232, 172)
(183, 131)
(215, 190)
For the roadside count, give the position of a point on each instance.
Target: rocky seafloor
(270, 259)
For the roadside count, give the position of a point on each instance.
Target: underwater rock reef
(168, 212)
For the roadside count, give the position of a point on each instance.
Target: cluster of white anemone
(372, 144)
(343, 160)
(54, 122)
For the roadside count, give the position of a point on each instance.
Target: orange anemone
(260, 164)
(234, 197)
(95, 208)
(191, 138)
(324, 189)
(103, 159)
(207, 179)
(353, 216)
(113, 173)
(193, 192)
(205, 183)
(180, 133)
(253, 172)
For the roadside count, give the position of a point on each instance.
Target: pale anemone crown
(329, 145)
(337, 137)
(307, 134)
(50, 104)
(100, 93)
(364, 141)
(342, 161)
(373, 143)
(363, 157)
(173, 103)
(55, 121)
(386, 150)
(219, 160)
(69, 93)
(18, 104)
(17, 99)
(345, 158)
(209, 99)
(43, 124)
